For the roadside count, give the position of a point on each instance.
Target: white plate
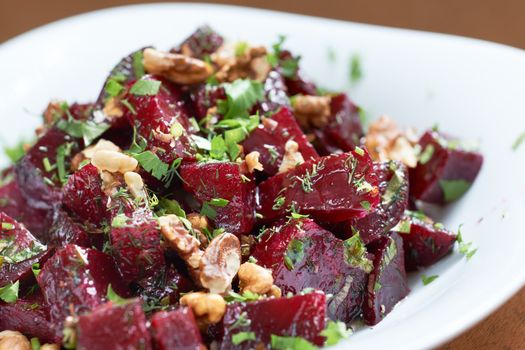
(473, 89)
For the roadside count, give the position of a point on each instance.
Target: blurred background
(501, 21)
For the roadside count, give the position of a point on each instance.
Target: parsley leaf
(294, 253)
(519, 140)
(241, 337)
(152, 164)
(88, 130)
(171, 206)
(291, 343)
(16, 152)
(138, 66)
(453, 189)
(240, 48)
(210, 212)
(35, 344)
(241, 298)
(465, 247)
(114, 297)
(356, 254)
(145, 88)
(356, 71)
(241, 95)
(290, 66)
(9, 292)
(428, 279)
(334, 332)
(427, 154)
(113, 87)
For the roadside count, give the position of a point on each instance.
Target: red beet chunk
(15, 205)
(328, 188)
(393, 188)
(387, 284)
(343, 131)
(303, 255)
(270, 138)
(201, 43)
(296, 83)
(84, 197)
(40, 187)
(204, 97)
(275, 94)
(176, 329)
(64, 230)
(445, 171)
(298, 316)
(30, 317)
(135, 245)
(75, 280)
(19, 250)
(112, 326)
(155, 115)
(424, 241)
(222, 180)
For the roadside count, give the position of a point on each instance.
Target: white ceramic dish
(473, 89)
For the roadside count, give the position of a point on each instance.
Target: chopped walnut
(252, 63)
(135, 185)
(113, 161)
(220, 263)
(110, 183)
(252, 162)
(50, 347)
(198, 222)
(113, 109)
(292, 157)
(177, 68)
(208, 308)
(53, 112)
(312, 110)
(385, 141)
(88, 152)
(275, 292)
(180, 239)
(255, 278)
(12, 340)
(269, 123)
(247, 242)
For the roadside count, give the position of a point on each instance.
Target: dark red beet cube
(135, 245)
(40, 187)
(203, 42)
(270, 138)
(154, 116)
(29, 316)
(75, 280)
(204, 97)
(19, 250)
(329, 189)
(275, 94)
(344, 129)
(393, 188)
(64, 230)
(15, 205)
(298, 316)
(387, 284)
(424, 241)
(445, 171)
(176, 329)
(223, 180)
(302, 255)
(83, 195)
(114, 326)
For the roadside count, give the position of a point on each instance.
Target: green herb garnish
(453, 189)
(9, 292)
(241, 337)
(291, 343)
(428, 279)
(334, 332)
(145, 88)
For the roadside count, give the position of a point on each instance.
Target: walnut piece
(11, 340)
(386, 141)
(220, 263)
(252, 161)
(135, 185)
(292, 157)
(177, 68)
(311, 111)
(251, 63)
(88, 152)
(113, 161)
(208, 308)
(112, 108)
(255, 278)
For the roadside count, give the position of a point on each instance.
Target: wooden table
(496, 20)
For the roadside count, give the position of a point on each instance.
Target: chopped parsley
(9, 292)
(290, 66)
(403, 226)
(119, 221)
(35, 344)
(428, 279)
(241, 337)
(138, 66)
(114, 297)
(356, 254)
(240, 48)
(244, 297)
(145, 88)
(152, 164)
(465, 247)
(519, 140)
(176, 130)
(365, 205)
(208, 210)
(242, 321)
(294, 253)
(113, 87)
(241, 95)
(7, 226)
(355, 69)
(290, 343)
(16, 152)
(278, 202)
(88, 130)
(453, 189)
(334, 332)
(274, 56)
(394, 185)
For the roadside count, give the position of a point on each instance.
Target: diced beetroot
(154, 116)
(222, 180)
(114, 326)
(203, 42)
(64, 230)
(303, 255)
(30, 317)
(41, 188)
(296, 83)
(275, 94)
(84, 197)
(393, 187)
(343, 131)
(176, 329)
(19, 250)
(204, 97)
(15, 205)
(445, 171)
(328, 188)
(135, 245)
(299, 316)
(270, 138)
(387, 284)
(424, 242)
(75, 280)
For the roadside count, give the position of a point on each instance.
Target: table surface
(495, 20)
